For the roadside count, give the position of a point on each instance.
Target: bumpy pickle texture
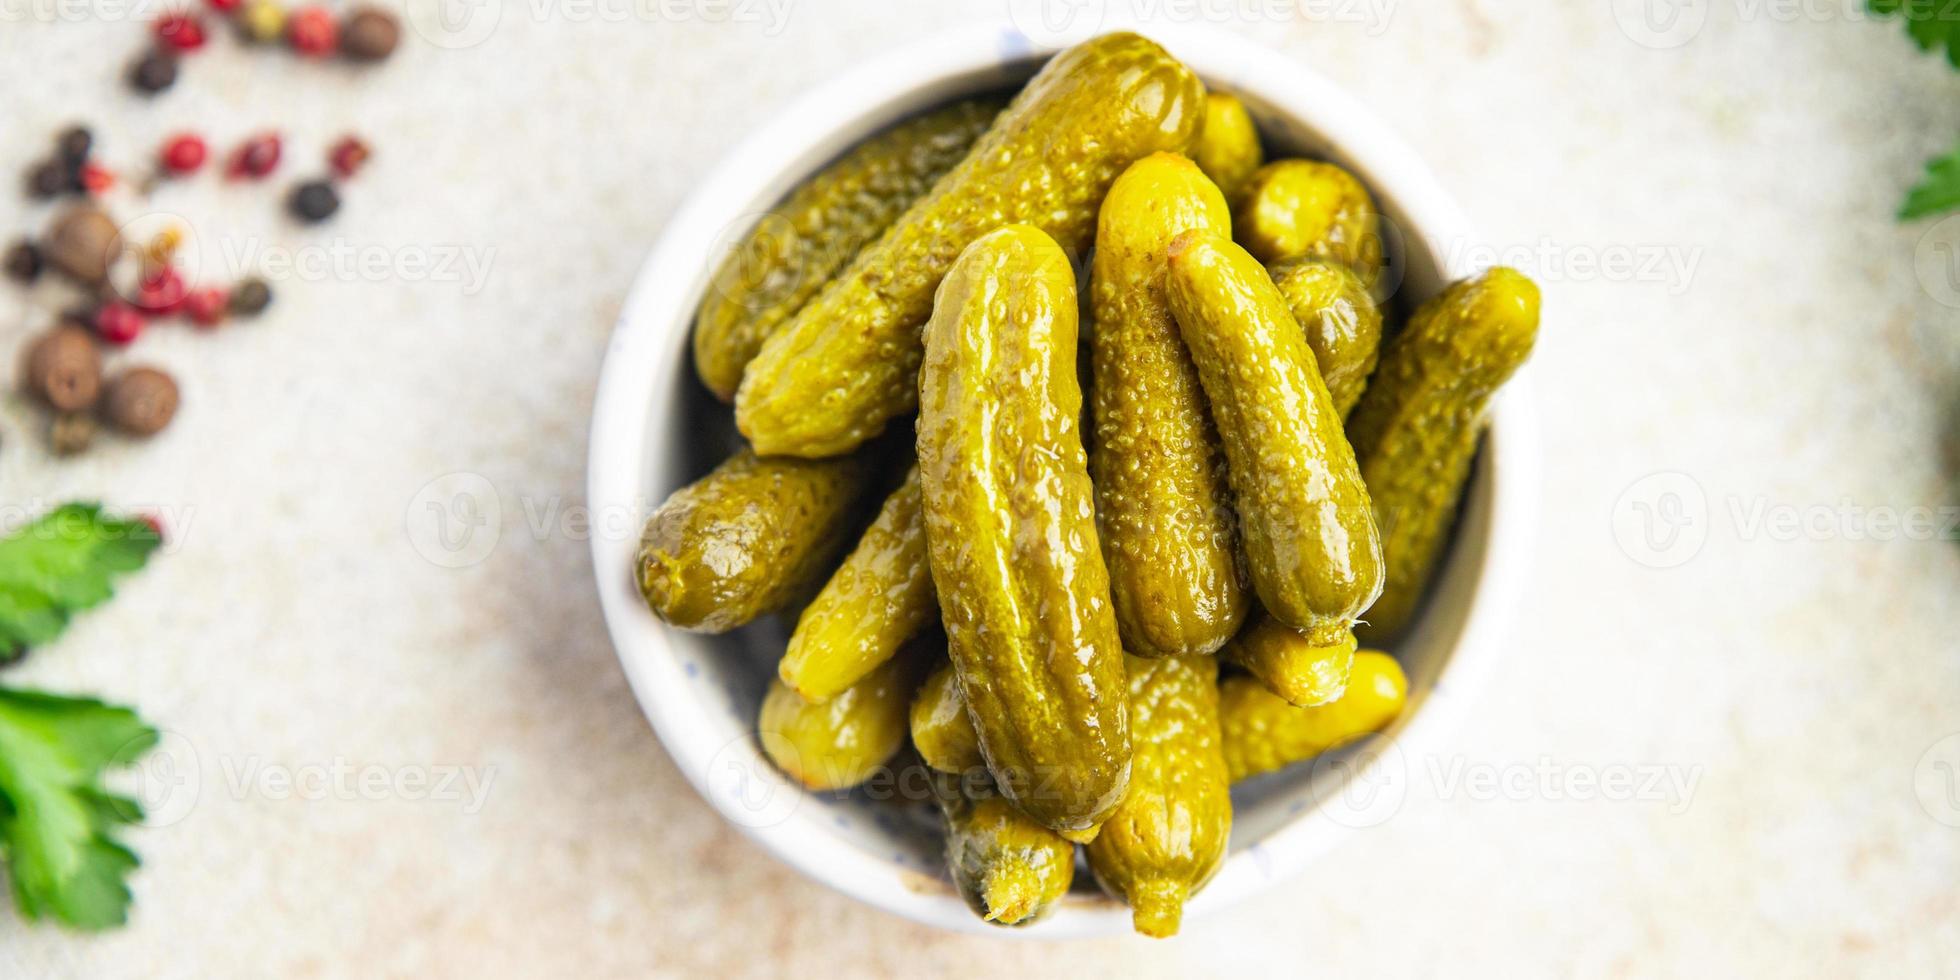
(1292, 665)
(747, 539)
(1304, 516)
(1343, 324)
(1416, 428)
(799, 244)
(841, 742)
(1010, 528)
(1010, 869)
(1294, 209)
(1162, 503)
(880, 597)
(848, 361)
(1228, 147)
(1167, 838)
(1263, 733)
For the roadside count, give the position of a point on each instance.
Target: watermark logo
(1936, 780)
(1362, 784)
(1936, 260)
(1661, 521)
(453, 24)
(752, 794)
(1660, 24)
(455, 520)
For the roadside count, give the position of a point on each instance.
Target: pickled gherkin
(880, 597)
(843, 741)
(1010, 869)
(1304, 516)
(1011, 531)
(1291, 664)
(747, 539)
(1163, 507)
(1228, 148)
(1416, 428)
(799, 244)
(1294, 209)
(1263, 733)
(1168, 837)
(848, 361)
(1343, 324)
(941, 730)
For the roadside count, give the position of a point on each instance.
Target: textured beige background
(1801, 681)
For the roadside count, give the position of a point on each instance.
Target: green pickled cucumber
(1011, 531)
(848, 361)
(749, 538)
(1294, 209)
(841, 742)
(1292, 665)
(1168, 837)
(1304, 516)
(880, 597)
(941, 730)
(1263, 733)
(1009, 868)
(800, 243)
(1228, 146)
(1417, 426)
(1163, 507)
(1343, 324)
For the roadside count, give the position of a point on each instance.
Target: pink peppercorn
(206, 307)
(184, 154)
(161, 292)
(256, 157)
(183, 32)
(313, 32)
(119, 323)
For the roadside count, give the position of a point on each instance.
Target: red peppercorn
(119, 323)
(313, 32)
(161, 292)
(183, 154)
(224, 6)
(347, 156)
(206, 307)
(97, 178)
(256, 157)
(183, 32)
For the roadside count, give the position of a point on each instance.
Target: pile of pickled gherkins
(1087, 625)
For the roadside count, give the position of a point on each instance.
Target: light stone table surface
(1722, 742)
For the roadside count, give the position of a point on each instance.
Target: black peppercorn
(250, 298)
(24, 262)
(74, 143)
(154, 72)
(314, 201)
(47, 179)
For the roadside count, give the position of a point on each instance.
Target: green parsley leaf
(62, 564)
(56, 818)
(1939, 192)
(1932, 23)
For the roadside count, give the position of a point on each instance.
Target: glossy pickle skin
(941, 731)
(879, 598)
(843, 741)
(1168, 837)
(1009, 868)
(1228, 149)
(1011, 531)
(1343, 324)
(1417, 427)
(801, 242)
(1304, 516)
(1163, 505)
(1262, 733)
(1292, 665)
(749, 538)
(848, 361)
(1309, 209)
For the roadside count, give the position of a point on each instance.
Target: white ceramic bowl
(654, 429)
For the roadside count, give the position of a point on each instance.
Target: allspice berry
(369, 34)
(65, 368)
(83, 242)
(250, 298)
(141, 401)
(71, 433)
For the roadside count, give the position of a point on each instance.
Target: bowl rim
(630, 381)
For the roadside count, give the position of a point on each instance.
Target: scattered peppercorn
(313, 32)
(223, 6)
(250, 298)
(65, 368)
(348, 155)
(141, 401)
(183, 154)
(206, 307)
(263, 21)
(74, 144)
(161, 292)
(256, 157)
(370, 34)
(95, 178)
(182, 31)
(84, 243)
(155, 71)
(71, 433)
(314, 201)
(47, 179)
(24, 261)
(119, 323)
